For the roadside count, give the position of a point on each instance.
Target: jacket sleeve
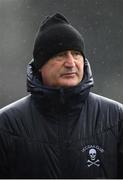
(4, 172)
(120, 144)
(4, 147)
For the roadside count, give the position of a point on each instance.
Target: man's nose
(69, 60)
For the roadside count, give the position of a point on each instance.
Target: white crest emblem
(93, 151)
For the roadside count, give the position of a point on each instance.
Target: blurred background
(100, 22)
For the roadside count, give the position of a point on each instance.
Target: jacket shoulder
(108, 111)
(106, 104)
(14, 113)
(104, 100)
(17, 105)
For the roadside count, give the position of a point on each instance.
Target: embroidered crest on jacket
(92, 155)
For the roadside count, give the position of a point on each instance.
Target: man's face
(66, 69)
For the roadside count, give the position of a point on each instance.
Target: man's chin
(68, 83)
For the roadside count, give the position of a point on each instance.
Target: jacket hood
(59, 97)
(53, 99)
(36, 87)
(49, 99)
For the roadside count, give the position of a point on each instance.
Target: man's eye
(77, 53)
(60, 54)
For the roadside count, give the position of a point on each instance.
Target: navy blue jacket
(61, 133)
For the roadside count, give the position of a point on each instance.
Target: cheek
(80, 67)
(46, 77)
(49, 74)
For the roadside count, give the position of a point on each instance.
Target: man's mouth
(69, 74)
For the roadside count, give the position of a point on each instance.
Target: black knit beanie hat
(55, 35)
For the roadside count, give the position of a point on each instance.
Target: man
(61, 130)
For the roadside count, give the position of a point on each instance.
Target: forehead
(69, 50)
(73, 52)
